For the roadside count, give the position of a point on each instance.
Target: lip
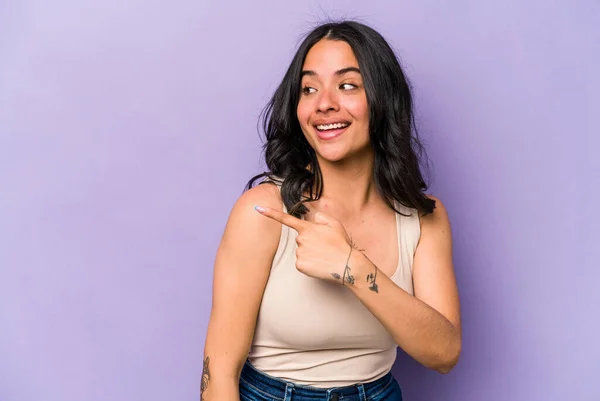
(330, 134)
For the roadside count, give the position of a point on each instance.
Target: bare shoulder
(260, 195)
(246, 227)
(438, 219)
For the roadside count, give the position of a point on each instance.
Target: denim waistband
(281, 389)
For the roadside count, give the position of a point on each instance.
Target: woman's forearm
(420, 330)
(225, 353)
(218, 381)
(226, 389)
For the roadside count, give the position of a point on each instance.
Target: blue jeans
(258, 386)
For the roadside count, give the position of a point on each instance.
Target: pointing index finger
(284, 218)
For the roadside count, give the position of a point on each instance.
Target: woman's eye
(308, 90)
(348, 86)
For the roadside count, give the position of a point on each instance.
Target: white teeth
(331, 126)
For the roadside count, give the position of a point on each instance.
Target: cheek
(303, 113)
(359, 109)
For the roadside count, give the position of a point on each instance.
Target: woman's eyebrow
(346, 70)
(343, 71)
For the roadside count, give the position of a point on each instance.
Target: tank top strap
(409, 227)
(409, 232)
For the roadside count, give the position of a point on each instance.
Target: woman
(338, 257)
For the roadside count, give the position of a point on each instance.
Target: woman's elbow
(448, 359)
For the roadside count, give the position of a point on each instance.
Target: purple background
(128, 129)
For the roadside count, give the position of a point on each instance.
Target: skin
(349, 218)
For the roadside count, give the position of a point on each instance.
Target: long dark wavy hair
(399, 154)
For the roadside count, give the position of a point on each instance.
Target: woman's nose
(327, 101)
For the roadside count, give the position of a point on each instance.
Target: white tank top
(316, 333)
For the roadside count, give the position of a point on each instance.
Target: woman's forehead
(329, 56)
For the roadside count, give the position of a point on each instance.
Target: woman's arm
(241, 270)
(426, 326)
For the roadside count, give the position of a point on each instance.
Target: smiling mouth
(329, 127)
(327, 132)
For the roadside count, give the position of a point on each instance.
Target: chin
(334, 154)
(332, 157)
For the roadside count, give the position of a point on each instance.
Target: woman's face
(333, 110)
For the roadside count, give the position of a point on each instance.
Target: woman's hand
(323, 246)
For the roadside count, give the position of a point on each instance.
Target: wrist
(360, 267)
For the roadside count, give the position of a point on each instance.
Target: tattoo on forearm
(371, 277)
(205, 378)
(347, 276)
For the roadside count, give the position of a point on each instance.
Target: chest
(378, 239)
(302, 312)
(305, 313)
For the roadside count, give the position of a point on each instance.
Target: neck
(348, 185)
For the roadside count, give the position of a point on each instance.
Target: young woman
(338, 257)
